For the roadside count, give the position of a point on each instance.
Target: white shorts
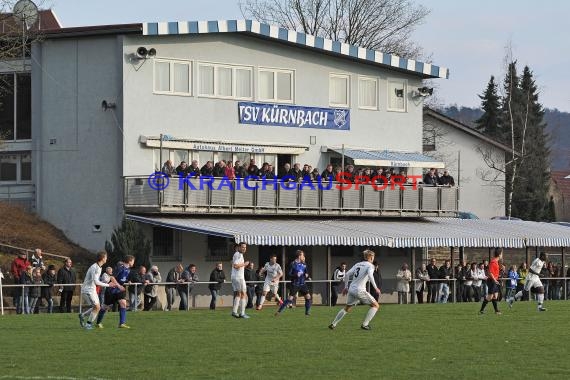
(362, 297)
(238, 285)
(532, 282)
(271, 287)
(90, 298)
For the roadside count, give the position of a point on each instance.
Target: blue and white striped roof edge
(271, 31)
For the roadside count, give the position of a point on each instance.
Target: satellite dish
(26, 12)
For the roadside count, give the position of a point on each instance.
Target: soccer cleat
(541, 309)
(367, 327)
(258, 307)
(235, 315)
(124, 326)
(498, 313)
(307, 314)
(88, 326)
(481, 312)
(244, 316)
(81, 320)
(331, 326)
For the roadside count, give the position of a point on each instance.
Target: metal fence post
(187, 296)
(1, 294)
(136, 298)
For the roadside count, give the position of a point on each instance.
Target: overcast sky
(468, 37)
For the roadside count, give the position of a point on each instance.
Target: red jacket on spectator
(18, 266)
(230, 172)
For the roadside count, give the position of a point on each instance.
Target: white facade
(482, 189)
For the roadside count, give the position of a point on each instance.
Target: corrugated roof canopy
(385, 158)
(424, 70)
(397, 233)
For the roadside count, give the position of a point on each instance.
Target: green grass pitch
(406, 342)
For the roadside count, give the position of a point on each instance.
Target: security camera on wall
(425, 91)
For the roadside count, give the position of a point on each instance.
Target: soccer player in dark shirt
(118, 294)
(298, 274)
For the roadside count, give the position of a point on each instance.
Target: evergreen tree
(530, 196)
(128, 239)
(490, 122)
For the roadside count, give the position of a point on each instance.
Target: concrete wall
(197, 117)
(461, 151)
(77, 147)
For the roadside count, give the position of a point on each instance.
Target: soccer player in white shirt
(238, 281)
(356, 279)
(89, 290)
(273, 273)
(533, 281)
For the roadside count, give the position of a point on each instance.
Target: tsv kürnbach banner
(280, 115)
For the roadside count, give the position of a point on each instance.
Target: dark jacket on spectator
(36, 291)
(26, 279)
(446, 180)
(181, 172)
(67, 276)
(134, 276)
(219, 171)
(188, 277)
(206, 171)
(240, 171)
(433, 271)
(172, 276)
(444, 271)
(250, 275)
(193, 172)
(37, 262)
(429, 180)
(218, 276)
(48, 280)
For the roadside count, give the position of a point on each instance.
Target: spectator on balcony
(252, 169)
(239, 170)
(328, 174)
(297, 173)
(38, 260)
(433, 284)
(306, 172)
(446, 179)
(182, 169)
(265, 171)
(404, 276)
(445, 274)
(430, 178)
(219, 169)
(423, 276)
(168, 169)
(230, 171)
(194, 169)
(315, 176)
(271, 171)
(286, 171)
(207, 169)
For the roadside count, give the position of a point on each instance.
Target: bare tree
(384, 25)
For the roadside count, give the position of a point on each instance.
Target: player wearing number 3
(356, 279)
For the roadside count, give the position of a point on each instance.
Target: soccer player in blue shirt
(298, 274)
(118, 294)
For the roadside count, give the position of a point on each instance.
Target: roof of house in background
(465, 128)
(276, 33)
(47, 20)
(562, 180)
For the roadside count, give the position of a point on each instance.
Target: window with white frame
(276, 85)
(368, 93)
(225, 81)
(172, 77)
(396, 95)
(15, 106)
(339, 90)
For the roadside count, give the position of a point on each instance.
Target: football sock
(484, 305)
(122, 315)
(308, 305)
(242, 304)
(236, 304)
(284, 305)
(495, 305)
(540, 300)
(87, 312)
(519, 295)
(93, 316)
(100, 316)
(277, 298)
(262, 300)
(339, 316)
(371, 313)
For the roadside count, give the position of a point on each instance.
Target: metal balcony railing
(270, 197)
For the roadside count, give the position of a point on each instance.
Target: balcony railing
(219, 196)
